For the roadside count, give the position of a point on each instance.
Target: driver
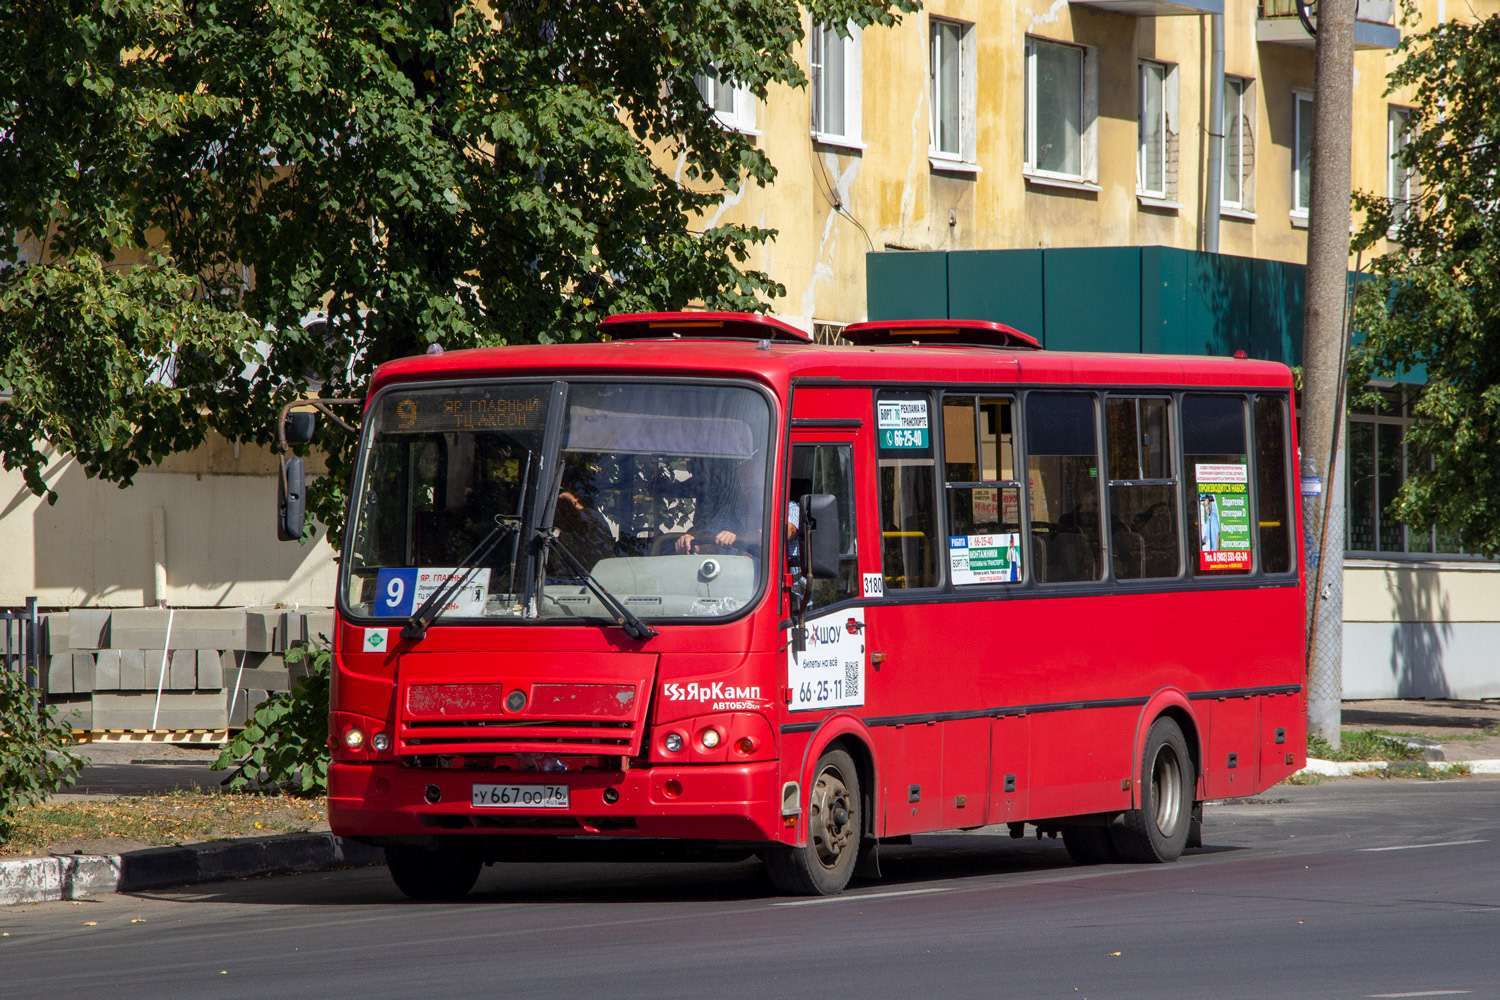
(725, 513)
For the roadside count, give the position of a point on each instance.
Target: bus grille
(556, 718)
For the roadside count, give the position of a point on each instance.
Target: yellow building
(978, 124)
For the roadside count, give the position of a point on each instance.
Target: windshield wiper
(416, 626)
(623, 616)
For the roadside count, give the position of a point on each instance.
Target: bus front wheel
(1158, 830)
(835, 825)
(442, 874)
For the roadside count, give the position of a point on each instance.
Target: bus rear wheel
(1158, 830)
(441, 874)
(835, 826)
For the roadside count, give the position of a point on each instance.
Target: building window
(1237, 189)
(1302, 154)
(1401, 180)
(733, 105)
(951, 90)
(834, 69)
(1378, 461)
(1059, 110)
(1156, 136)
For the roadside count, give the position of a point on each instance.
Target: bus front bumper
(738, 802)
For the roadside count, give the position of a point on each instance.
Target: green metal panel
(1092, 299)
(1276, 311)
(1195, 303)
(1002, 286)
(902, 284)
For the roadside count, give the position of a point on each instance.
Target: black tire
(1090, 845)
(441, 874)
(1158, 830)
(835, 826)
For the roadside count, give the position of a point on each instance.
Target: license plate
(521, 796)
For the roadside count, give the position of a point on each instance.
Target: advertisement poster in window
(903, 424)
(985, 558)
(1223, 517)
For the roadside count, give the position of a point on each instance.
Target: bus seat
(1039, 557)
(1129, 554)
(1070, 557)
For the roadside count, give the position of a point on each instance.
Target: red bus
(712, 582)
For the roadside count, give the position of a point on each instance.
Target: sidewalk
(1465, 733)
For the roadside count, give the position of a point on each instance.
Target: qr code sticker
(851, 679)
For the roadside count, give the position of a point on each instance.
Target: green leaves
(36, 756)
(419, 171)
(284, 745)
(1434, 302)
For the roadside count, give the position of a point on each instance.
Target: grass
(1362, 744)
(158, 820)
(1490, 733)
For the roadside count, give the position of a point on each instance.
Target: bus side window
(1271, 480)
(1217, 473)
(983, 496)
(825, 468)
(1062, 470)
(908, 508)
(1143, 489)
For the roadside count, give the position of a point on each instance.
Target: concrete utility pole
(1323, 359)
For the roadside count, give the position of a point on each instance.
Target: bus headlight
(673, 742)
(354, 737)
(709, 738)
(380, 742)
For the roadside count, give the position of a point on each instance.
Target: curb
(78, 876)
(1345, 768)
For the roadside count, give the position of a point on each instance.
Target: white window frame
(1164, 196)
(1088, 134)
(740, 115)
(1398, 136)
(852, 135)
(1302, 103)
(1243, 110)
(964, 157)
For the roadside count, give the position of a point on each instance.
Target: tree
(187, 180)
(1435, 300)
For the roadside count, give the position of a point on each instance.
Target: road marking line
(1413, 847)
(1423, 993)
(868, 895)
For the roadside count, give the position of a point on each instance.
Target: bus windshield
(657, 490)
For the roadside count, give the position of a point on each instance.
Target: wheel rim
(831, 817)
(1166, 787)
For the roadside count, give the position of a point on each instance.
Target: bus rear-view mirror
(291, 501)
(820, 537)
(300, 426)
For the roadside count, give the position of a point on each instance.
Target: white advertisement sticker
(985, 558)
(830, 672)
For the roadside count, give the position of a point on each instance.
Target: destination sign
(471, 408)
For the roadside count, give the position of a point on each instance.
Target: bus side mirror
(300, 426)
(291, 501)
(819, 518)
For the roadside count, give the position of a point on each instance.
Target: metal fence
(22, 635)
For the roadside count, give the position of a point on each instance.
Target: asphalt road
(1353, 888)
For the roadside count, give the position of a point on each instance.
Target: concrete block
(320, 627)
(74, 711)
(261, 679)
(133, 669)
(293, 629)
(55, 635)
(151, 660)
(244, 705)
(83, 671)
(107, 670)
(60, 674)
(260, 629)
(179, 710)
(139, 628)
(182, 670)
(88, 628)
(210, 670)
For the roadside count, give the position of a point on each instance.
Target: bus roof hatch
(938, 333)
